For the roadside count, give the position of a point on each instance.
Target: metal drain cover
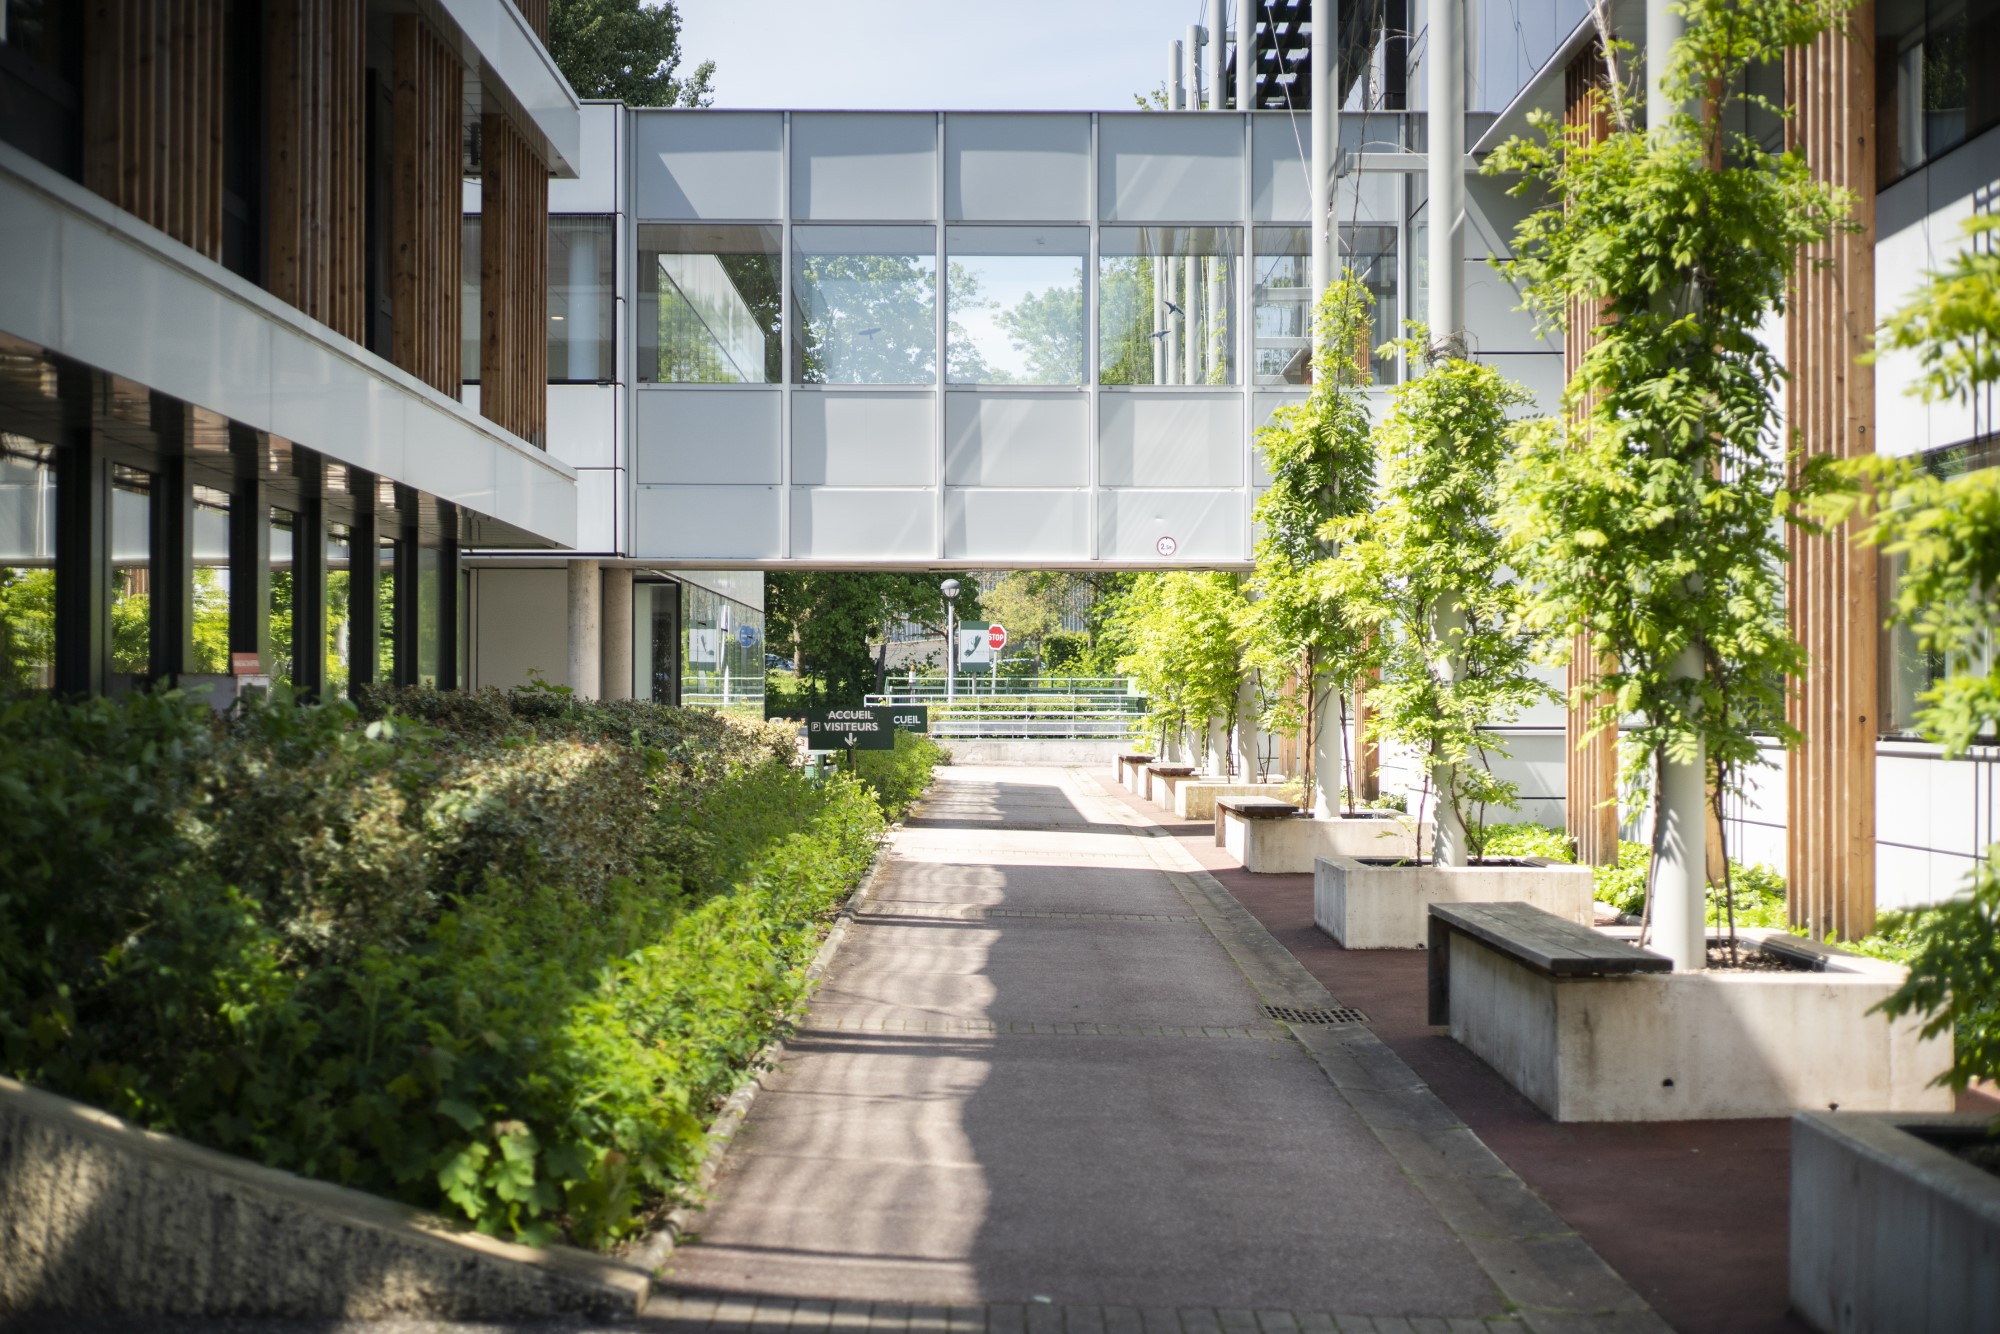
(1339, 1014)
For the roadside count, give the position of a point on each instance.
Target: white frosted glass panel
(1016, 525)
(1540, 373)
(707, 164)
(1262, 406)
(1017, 168)
(583, 424)
(707, 436)
(1493, 317)
(1154, 168)
(1279, 181)
(706, 523)
(863, 439)
(1170, 440)
(830, 524)
(864, 167)
(1197, 526)
(1017, 439)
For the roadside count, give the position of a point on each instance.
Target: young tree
(1423, 572)
(1181, 628)
(1322, 471)
(627, 50)
(1644, 517)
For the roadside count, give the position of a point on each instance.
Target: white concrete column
(1445, 168)
(1216, 762)
(1247, 731)
(1680, 868)
(1192, 54)
(586, 644)
(1448, 844)
(1326, 740)
(1176, 74)
(1211, 54)
(1665, 25)
(1246, 55)
(1325, 137)
(616, 665)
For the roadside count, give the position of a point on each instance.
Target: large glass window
(867, 305)
(1933, 88)
(429, 625)
(386, 594)
(27, 564)
(656, 641)
(1166, 305)
(1281, 305)
(339, 566)
(580, 305)
(724, 655)
(1369, 252)
(1016, 304)
(709, 305)
(210, 576)
(1906, 671)
(468, 300)
(283, 588)
(131, 576)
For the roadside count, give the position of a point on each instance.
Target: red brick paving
(1693, 1214)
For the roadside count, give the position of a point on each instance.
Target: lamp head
(949, 588)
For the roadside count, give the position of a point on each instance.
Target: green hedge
(497, 956)
(899, 777)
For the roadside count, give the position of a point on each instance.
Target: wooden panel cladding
(1591, 771)
(426, 211)
(1832, 594)
(513, 282)
(315, 167)
(152, 114)
(537, 14)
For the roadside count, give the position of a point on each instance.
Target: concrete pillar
(586, 644)
(1445, 167)
(1449, 846)
(1325, 137)
(1680, 861)
(1216, 762)
(616, 666)
(1665, 25)
(1247, 732)
(1326, 740)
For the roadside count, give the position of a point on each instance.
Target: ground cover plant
(495, 956)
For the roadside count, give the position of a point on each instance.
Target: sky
(1029, 55)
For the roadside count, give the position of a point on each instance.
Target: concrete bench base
(1126, 769)
(1195, 799)
(1890, 1231)
(1162, 779)
(1693, 1046)
(1369, 907)
(1292, 844)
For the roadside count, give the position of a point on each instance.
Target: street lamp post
(950, 590)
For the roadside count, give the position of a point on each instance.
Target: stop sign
(996, 635)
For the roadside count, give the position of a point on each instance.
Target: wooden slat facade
(152, 114)
(315, 232)
(1591, 769)
(537, 14)
(513, 282)
(1832, 593)
(426, 206)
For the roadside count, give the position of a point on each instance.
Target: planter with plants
(1383, 903)
(1896, 1219)
(1642, 521)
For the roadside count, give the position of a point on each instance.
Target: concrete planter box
(1291, 844)
(1127, 767)
(1367, 906)
(1195, 799)
(1690, 1046)
(1890, 1231)
(1161, 779)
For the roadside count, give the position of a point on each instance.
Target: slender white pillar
(586, 646)
(1448, 843)
(1680, 871)
(1325, 135)
(1191, 319)
(1445, 211)
(1211, 56)
(1176, 74)
(616, 665)
(1326, 744)
(1664, 26)
(1246, 55)
(1163, 329)
(1247, 731)
(1216, 762)
(1192, 54)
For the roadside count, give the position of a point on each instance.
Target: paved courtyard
(1040, 1088)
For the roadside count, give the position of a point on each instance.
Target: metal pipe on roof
(1325, 134)
(1445, 167)
(1246, 55)
(1193, 55)
(1211, 62)
(1176, 93)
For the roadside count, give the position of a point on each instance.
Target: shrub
(497, 956)
(1523, 840)
(899, 777)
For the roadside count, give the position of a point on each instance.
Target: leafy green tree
(626, 49)
(1645, 517)
(1423, 575)
(1180, 628)
(837, 624)
(1322, 472)
(27, 627)
(1948, 532)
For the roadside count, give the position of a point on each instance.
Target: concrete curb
(652, 1251)
(101, 1217)
(1549, 1276)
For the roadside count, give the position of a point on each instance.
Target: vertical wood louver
(1830, 404)
(513, 281)
(1591, 767)
(426, 206)
(537, 14)
(152, 114)
(314, 160)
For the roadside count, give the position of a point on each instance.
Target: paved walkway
(1040, 1090)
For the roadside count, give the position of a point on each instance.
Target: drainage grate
(1339, 1014)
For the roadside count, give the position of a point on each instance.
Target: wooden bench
(1125, 763)
(1540, 940)
(1250, 808)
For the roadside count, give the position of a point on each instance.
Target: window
(656, 641)
(283, 588)
(709, 305)
(866, 304)
(580, 304)
(131, 576)
(1369, 251)
(1166, 304)
(1905, 671)
(724, 658)
(468, 299)
(1016, 304)
(210, 577)
(1281, 305)
(27, 564)
(1932, 91)
(339, 562)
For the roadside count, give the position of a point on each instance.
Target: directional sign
(908, 717)
(746, 635)
(850, 729)
(996, 635)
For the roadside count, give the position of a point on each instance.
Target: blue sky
(1054, 55)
